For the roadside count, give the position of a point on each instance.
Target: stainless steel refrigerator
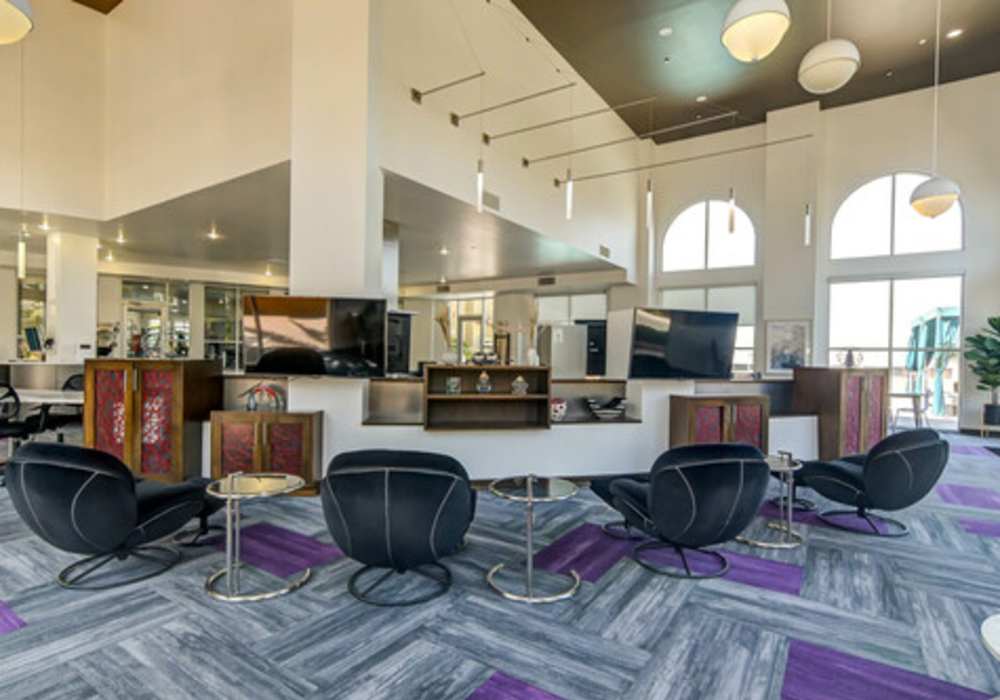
(564, 349)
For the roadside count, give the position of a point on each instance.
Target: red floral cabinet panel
(748, 424)
(156, 416)
(239, 441)
(110, 409)
(286, 444)
(852, 413)
(876, 411)
(251, 441)
(709, 424)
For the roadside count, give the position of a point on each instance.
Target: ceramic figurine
(483, 384)
(519, 387)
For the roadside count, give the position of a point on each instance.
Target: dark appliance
(671, 344)
(313, 335)
(597, 347)
(397, 346)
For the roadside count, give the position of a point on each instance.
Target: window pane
(859, 315)
(742, 300)
(862, 358)
(932, 379)
(745, 336)
(684, 244)
(683, 299)
(725, 249)
(926, 313)
(861, 225)
(919, 234)
(743, 361)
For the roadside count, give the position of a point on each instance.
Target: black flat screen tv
(313, 335)
(671, 344)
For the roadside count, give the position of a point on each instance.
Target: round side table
(234, 489)
(991, 635)
(783, 466)
(530, 490)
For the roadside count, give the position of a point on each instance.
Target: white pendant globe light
(754, 28)
(829, 66)
(15, 20)
(937, 195)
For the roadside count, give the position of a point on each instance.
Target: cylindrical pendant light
(732, 210)
(22, 254)
(808, 226)
(937, 195)
(15, 20)
(480, 186)
(649, 204)
(569, 194)
(754, 28)
(829, 66)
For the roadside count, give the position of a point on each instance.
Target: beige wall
(64, 111)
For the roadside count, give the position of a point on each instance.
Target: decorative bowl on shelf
(604, 409)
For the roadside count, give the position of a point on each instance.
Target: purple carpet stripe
(500, 686)
(743, 568)
(971, 496)
(818, 673)
(985, 528)
(282, 552)
(9, 621)
(971, 450)
(584, 549)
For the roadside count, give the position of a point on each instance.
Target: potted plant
(984, 360)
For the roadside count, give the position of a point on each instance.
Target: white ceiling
(251, 215)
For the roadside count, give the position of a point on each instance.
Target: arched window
(699, 238)
(877, 219)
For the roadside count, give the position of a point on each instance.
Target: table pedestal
(788, 538)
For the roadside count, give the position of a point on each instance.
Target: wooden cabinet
(257, 441)
(148, 413)
(701, 419)
(852, 406)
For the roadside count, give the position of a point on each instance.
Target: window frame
(892, 223)
(706, 229)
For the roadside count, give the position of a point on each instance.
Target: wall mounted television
(313, 335)
(674, 344)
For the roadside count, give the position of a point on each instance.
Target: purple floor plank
(500, 686)
(985, 528)
(282, 552)
(9, 621)
(971, 450)
(817, 673)
(743, 568)
(971, 496)
(584, 549)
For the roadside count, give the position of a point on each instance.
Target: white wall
(64, 91)
(850, 146)
(8, 313)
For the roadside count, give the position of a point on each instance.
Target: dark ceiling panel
(104, 6)
(615, 45)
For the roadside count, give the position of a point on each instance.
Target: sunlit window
(910, 325)
(741, 300)
(877, 219)
(699, 238)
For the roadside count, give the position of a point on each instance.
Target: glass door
(470, 336)
(144, 329)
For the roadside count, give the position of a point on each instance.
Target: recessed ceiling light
(889, 73)
(443, 280)
(922, 41)
(701, 98)
(444, 250)
(44, 226)
(120, 238)
(666, 31)
(213, 234)
(954, 33)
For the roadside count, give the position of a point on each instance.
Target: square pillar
(71, 297)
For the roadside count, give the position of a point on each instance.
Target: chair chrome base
(687, 573)
(895, 528)
(212, 580)
(193, 537)
(621, 530)
(443, 584)
(163, 557)
(529, 596)
(787, 539)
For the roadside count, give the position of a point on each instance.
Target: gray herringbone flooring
(914, 604)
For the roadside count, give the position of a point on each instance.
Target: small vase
(519, 387)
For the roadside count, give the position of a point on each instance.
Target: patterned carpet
(844, 616)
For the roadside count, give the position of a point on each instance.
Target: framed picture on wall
(789, 345)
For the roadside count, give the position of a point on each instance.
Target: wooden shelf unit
(497, 410)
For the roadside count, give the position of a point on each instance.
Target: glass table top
(543, 489)
(783, 463)
(991, 635)
(263, 485)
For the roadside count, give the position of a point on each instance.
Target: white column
(8, 314)
(71, 297)
(336, 186)
(390, 271)
(196, 316)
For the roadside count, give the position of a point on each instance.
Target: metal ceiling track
(677, 161)
(419, 95)
(456, 119)
(656, 132)
(488, 138)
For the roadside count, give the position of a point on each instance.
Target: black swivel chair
(86, 502)
(399, 511)
(895, 474)
(696, 496)
(59, 418)
(13, 430)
